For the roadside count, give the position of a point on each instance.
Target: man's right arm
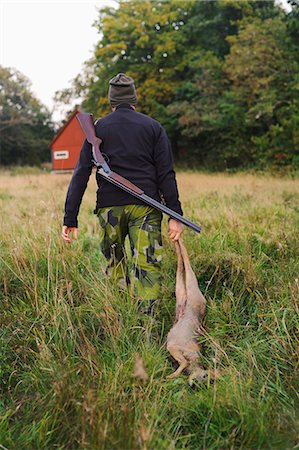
(77, 186)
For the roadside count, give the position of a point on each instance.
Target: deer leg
(177, 354)
(180, 289)
(189, 274)
(193, 292)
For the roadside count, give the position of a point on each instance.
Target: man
(136, 146)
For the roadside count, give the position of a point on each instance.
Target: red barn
(66, 145)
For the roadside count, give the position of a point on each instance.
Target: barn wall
(70, 139)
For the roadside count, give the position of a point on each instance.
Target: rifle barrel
(152, 202)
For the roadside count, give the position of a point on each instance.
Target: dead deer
(182, 341)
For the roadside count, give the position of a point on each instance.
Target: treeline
(26, 128)
(222, 76)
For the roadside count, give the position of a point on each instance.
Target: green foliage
(262, 72)
(142, 39)
(244, 110)
(25, 124)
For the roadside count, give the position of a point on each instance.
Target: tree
(145, 40)
(261, 70)
(25, 124)
(241, 110)
(157, 43)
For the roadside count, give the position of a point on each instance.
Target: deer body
(182, 342)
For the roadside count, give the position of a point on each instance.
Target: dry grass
(69, 341)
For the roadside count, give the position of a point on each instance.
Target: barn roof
(61, 130)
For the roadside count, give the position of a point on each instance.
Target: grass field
(69, 340)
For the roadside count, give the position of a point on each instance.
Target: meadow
(69, 340)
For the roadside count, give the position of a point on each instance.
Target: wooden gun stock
(86, 122)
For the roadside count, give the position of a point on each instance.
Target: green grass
(69, 339)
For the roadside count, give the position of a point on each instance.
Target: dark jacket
(135, 146)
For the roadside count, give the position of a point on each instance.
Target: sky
(48, 41)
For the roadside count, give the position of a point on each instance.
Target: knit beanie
(122, 90)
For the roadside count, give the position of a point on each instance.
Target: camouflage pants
(142, 224)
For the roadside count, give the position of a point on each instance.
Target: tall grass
(69, 340)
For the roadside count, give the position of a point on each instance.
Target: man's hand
(66, 231)
(175, 229)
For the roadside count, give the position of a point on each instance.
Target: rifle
(86, 122)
